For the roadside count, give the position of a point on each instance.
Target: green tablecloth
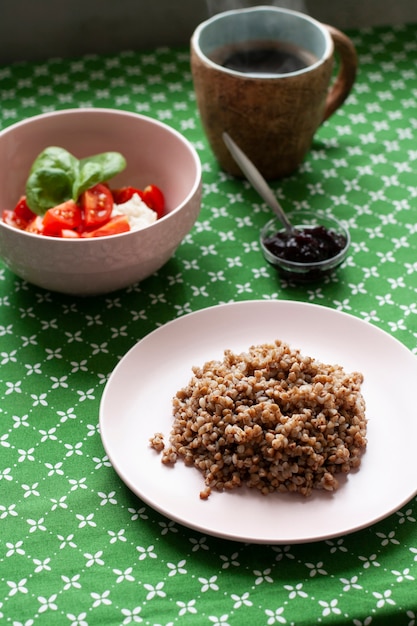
(76, 546)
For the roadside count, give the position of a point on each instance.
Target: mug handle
(347, 73)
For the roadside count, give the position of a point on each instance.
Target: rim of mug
(329, 47)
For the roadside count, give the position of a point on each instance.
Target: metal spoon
(257, 181)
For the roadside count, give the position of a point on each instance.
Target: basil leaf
(51, 179)
(47, 188)
(97, 169)
(56, 157)
(56, 176)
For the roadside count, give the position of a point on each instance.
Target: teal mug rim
(203, 51)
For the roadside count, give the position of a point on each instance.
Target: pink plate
(137, 403)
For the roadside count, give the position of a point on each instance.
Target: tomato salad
(70, 198)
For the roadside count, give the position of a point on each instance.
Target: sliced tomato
(35, 226)
(97, 205)
(10, 218)
(125, 193)
(22, 210)
(20, 216)
(65, 215)
(115, 225)
(155, 199)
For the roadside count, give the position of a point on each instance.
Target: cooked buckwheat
(268, 418)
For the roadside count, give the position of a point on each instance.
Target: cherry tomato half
(125, 193)
(63, 216)
(20, 216)
(115, 225)
(10, 218)
(155, 199)
(22, 210)
(97, 205)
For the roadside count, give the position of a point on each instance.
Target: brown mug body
(272, 117)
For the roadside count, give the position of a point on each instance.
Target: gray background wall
(38, 29)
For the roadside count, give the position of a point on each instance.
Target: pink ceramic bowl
(155, 153)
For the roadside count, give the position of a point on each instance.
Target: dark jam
(306, 245)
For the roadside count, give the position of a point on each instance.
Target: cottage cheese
(137, 212)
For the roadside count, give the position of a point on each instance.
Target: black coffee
(271, 58)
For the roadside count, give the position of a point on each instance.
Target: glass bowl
(311, 267)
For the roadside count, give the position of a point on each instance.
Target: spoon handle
(257, 180)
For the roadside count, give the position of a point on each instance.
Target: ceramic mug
(271, 111)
